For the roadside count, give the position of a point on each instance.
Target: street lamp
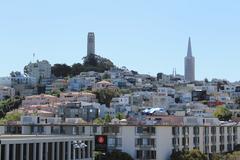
(77, 145)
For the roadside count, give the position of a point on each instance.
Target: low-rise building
(156, 140)
(42, 147)
(77, 97)
(39, 70)
(83, 110)
(41, 99)
(6, 92)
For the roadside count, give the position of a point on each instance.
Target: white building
(46, 147)
(153, 141)
(39, 70)
(6, 92)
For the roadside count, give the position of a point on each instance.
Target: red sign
(101, 139)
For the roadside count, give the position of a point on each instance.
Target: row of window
(145, 142)
(207, 130)
(145, 154)
(221, 148)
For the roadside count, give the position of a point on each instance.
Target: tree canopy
(222, 113)
(61, 70)
(105, 95)
(117, 155)
(188, 155)
(91, 62)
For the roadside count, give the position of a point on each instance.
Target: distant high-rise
(91, 43)
(189, 62)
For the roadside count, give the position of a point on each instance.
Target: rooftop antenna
(175, 73)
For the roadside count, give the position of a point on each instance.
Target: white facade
(6, 92)
(154, 142)
(28, 147)
(40, 69)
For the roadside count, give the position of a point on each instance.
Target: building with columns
(45, 147)
(189, 64)
(154, 141)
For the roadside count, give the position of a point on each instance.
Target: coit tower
(91, 43)
(189, 64)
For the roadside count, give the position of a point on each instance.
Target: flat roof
(7, 137)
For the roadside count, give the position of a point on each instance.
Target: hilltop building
(91, 43)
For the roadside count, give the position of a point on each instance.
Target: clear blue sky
(149, 36)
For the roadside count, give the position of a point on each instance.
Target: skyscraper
(91, 43)
(189, 62)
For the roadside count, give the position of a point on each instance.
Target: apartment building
(152, 142)
(46, 147)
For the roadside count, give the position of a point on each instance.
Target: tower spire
(189, 63)
(189, 52)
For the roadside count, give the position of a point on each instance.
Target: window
(213, 130)
(146, 130)
(213, 139)
(175, 142)
(221, 130)
(222, 148)
(229, 130)
(229, 138)
(175, 131)
(195, 130)
(146, 154)
(145, 142)
(221, 139)
(229, 147)
(139, 154)
(213, 149)
(196, 141)
(234, 130)
(206, 149)
(206, 130)
(111, 129)
(206, 139)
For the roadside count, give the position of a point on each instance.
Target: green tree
(90, 60)
(61, 70)
(118, 155)
(222, 113)
(105, 95)
(188, 155)
(56, 93)
(98, 121)
(106, 76)
(195, 155)
(107, 118)
(96, 63)
(120, 116)
(179, 155)
(232, 156)
(77, 68)
(11, 116)
(215, 156)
